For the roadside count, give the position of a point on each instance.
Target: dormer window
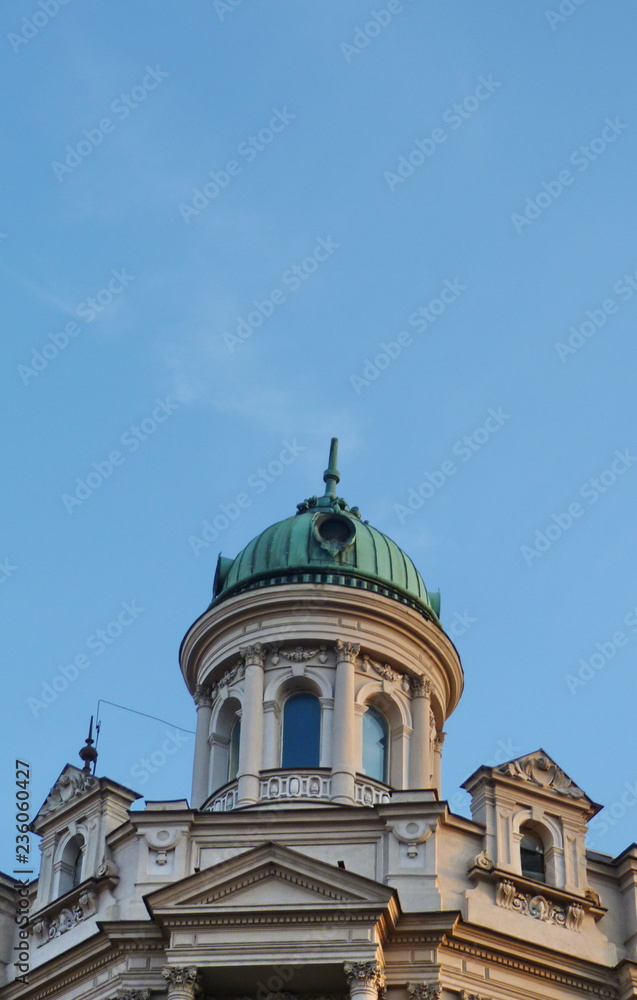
(532, 856)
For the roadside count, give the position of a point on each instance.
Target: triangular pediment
(70, 785)
(271, 876)
(539, 770)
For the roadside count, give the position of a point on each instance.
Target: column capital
(420, 687)
(254, 655)
(347, 651)
(183, 980)
(132, 994)
(203, 696)
(364, 976)
(439, 740)
(423, 991)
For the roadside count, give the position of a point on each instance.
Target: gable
(541, 771)
(270, 876)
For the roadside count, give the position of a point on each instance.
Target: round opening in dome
(336, 530)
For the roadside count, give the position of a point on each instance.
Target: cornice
(468, 939)
(292, 600)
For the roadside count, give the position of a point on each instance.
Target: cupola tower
(320, 671)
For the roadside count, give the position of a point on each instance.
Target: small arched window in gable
(532, 856)
(301, 731)
(375, 745)
(71, 864)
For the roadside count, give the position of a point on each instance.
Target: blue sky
(233, 229)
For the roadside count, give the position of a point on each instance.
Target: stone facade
(323, 882)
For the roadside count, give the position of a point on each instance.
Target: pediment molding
(299, 882)
(541, 771)
(265, 873)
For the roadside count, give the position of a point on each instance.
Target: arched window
(233, 754)
(301, 731)
(71, 865)
(375, 745)
(532, 856)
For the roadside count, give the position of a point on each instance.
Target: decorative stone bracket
(54, 922)
(550, 905)
(538, 906)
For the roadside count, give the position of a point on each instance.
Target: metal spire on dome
(88, 753)
(331, 476)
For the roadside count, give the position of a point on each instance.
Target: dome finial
(331, 476)
(88, 753)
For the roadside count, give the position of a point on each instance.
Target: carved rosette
(348, 651)
(423, 991)
(203, 696)
(183, 981)
(365, 977)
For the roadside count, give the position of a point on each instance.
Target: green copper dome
(326, 542)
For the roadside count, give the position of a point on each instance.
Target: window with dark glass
(77, 867)
(301, 731)
(375, 745)
(532, 856)
(71, 865)
(233, 749)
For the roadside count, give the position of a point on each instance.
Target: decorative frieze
(423, 991)
(295, 786)
(298, 654)
(67, 918)
(382, 669)
(538, 906)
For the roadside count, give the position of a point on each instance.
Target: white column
(365, 980)
(182, 980)
(251, 743)
(343, 732)
(438, 741)
(201, 767)
(420, 743)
